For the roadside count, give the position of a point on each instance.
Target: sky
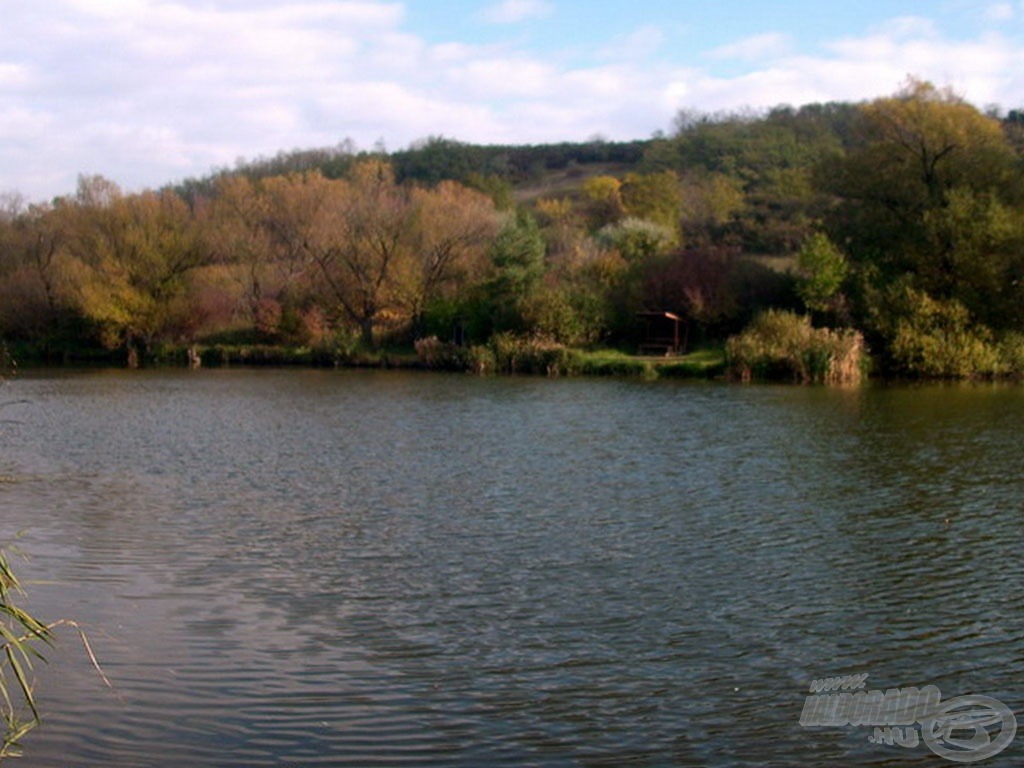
(150, 92)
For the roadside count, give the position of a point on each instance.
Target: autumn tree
(35, 290)
(240, 241)
(134, 257)
(453, 226)
(363, 239)
(263, 231)
(602, 200)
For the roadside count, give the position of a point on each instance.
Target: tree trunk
(366, 326)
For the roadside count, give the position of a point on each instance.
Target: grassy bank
(503, 354)
(507, 354)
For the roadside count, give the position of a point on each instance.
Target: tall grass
(780, 345)
(20, 636)
(508, 353)
(505, 353)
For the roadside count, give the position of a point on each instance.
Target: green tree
(711, 204)
(654, 197)
(769, 158)
(916, 149)
(931, 210)
(821, 271)
(638, 240)
(516, 272)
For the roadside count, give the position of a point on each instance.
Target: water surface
(292, 568)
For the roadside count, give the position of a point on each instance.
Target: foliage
(20, 637)
(926, 192)
(533, 354)
(1011, 353)
(653, 197)
(133, 255)
(821, 270)
(337, 251)
(603, 201)
(768, 159)
(515, 273)
(637, 239)
(508, 353)
(938, 339)
(718, 289)
(711, 205)
(784, 345)
(440, 355)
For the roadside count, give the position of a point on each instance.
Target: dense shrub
(1011, 354)
(440, 355)
(534, 354)
(938, 339)
(506, 353)
(783, 345)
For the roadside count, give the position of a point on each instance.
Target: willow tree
(135, 254)
(920, 152)
(933, 193)
(931, 204)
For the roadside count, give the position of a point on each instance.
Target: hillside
(899, 218)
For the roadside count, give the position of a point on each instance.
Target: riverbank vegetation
(892, 228)
(20, 638)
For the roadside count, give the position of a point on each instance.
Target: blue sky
(147, 92)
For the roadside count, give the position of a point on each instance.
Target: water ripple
(321, 568)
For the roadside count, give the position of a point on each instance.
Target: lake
(328, 568)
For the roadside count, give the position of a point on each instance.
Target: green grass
(704, 363)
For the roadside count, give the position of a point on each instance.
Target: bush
(480, 360)
(534, 354)
(783, 345)
(938, 339)
(438, 355)
(1011, 354)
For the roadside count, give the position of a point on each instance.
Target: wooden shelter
(662, 333)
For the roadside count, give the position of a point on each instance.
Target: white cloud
(14, 78)
(756, 47)
(906, 27)
(150, 91)
(643, 42)
(999, 12)
(515, 11)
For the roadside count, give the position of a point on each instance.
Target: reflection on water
(345, 568)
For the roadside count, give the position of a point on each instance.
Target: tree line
(900, 217)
